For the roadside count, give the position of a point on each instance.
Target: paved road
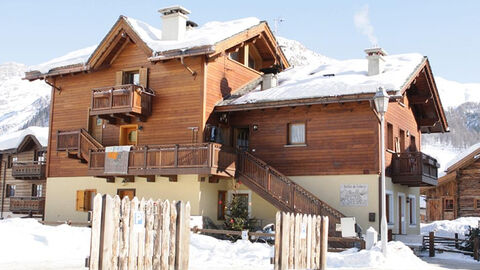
(451, 264)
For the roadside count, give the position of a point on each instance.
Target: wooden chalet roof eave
(464, 162)
(25, 140)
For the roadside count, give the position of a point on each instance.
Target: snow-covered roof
(207, 35)
(334, 79)
(13, 140)
(474, 149)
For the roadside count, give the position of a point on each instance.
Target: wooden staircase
(77, 144)
(281, 191)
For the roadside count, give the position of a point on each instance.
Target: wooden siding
(340, 138)
(224, 77)
(176, 106)
(469, 190)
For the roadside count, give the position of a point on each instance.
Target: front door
(129, 192)
(240, 138)
(128, 135)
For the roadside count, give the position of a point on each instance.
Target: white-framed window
(412, 213)
(296, 133)
(389, 207)
(243, 194)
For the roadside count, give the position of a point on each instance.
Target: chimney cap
(174, 9)
(376, 51)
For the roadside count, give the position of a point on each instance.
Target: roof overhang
(464, 162)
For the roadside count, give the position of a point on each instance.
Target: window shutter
(80, 200)
(144, 77)
(119, 78)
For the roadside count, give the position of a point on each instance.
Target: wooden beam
(150, 178)
(420, 99)
(124, 117)
(427, 122)
(173, 178)
(128, 179)
(110, 179)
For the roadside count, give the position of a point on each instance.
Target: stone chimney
(269, 80)
(375, 60)
(174, 22)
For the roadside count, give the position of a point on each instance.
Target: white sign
(138, 221)
(354, 195)
(245, 235)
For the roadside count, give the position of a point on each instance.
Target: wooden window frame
(8, 189)
(445, 209)
(221, 204)
(127, 189)
(402, 138)
(476, 203)
(390, 137)
(84, 205)
(9, 161)
(35, 190)
(289, 143)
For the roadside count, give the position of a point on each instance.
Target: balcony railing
(29, 170)
(77, 142)
(122, 101)
(203, 158)
(34, 205)
(414, 169)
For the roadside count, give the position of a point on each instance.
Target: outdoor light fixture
(381, 99)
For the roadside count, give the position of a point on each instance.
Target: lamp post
(381, 99)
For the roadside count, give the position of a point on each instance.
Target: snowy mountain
(299, 55)
(20, 100)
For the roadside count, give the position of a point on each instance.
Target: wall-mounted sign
(354, 195)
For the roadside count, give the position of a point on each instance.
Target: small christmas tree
(236, 215)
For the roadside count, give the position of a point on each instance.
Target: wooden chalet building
(22, 174)
(458, 191)
(215, 111)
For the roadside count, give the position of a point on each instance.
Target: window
(402, 141)
(9, 161)
(234, 56)
(389, 207)
(10, 190)
(413, 145)
(477, 204)
(37, 190)
(412, 210)
(132, 77)
(84, 201)
(296, 133)
(221, 204)
(448, 205)
(389, 136)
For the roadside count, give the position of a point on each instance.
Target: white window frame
(248, 192)
(391, 215)
(413, 199)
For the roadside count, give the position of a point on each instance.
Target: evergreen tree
(236, 215)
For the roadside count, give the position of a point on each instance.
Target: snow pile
(462, 155)
(72, 58)
(337, 78)
(206, 35)
(20, 100)
(399, 256)
(210, 253)
(448, 228)
(12, 140)
(27, 244)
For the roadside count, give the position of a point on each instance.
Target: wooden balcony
(28, 205)
(414, 169)
(29, 170)
(202, 158)
(121, 102)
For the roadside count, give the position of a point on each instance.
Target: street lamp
(381, 99)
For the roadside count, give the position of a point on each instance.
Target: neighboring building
(186, 98)
(458, 191)
(23, 181)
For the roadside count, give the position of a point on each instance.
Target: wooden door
(129, 192)
(434, 209)
(95, 128)
(241, 138)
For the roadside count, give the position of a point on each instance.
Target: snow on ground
(448, 228)
(27, 244)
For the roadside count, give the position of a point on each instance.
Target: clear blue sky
(448, 32)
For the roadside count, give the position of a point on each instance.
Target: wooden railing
(153, 159)
(128, 98)
(414, 169)
(280, 190)
(29, 170)
(79, 141)
(27, 204)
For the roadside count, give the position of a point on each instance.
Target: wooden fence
(301, 241)
(445, 244)
(139, 234)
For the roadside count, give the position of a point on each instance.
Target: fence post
(96, 232)
(475, 248)
(324, 243)
(431, 244)
(456, 240)
(278, 233)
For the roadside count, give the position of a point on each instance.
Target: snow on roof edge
(12, 140)
(470, 150)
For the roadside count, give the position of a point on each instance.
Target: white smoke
(362, 23)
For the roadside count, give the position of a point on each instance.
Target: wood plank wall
(178, 104)
(340, 138)
(469, 190)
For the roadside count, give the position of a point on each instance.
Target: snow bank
(12, 140)
(448, 228)
(27, 244)
(337, 78)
